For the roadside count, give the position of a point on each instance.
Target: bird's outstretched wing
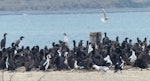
(104, 13)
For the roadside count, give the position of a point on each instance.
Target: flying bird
(105, 18)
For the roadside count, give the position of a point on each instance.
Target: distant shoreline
(75, 11)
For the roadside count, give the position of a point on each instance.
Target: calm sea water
(42, 30)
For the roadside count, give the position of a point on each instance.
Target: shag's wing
(3, 42)
(17, 42)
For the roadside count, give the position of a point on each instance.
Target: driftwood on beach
(95, 36)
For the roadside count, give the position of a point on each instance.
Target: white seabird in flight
(105, 18)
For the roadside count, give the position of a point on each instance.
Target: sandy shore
(77, 75)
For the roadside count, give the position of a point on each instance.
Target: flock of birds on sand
(101, 55)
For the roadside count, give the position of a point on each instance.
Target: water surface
(44, 29)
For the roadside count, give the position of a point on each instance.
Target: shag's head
(65, 34)
(5, 34)
(21, 37)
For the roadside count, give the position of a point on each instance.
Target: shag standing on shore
(18, 42)
(66, 39)
(3, 41)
